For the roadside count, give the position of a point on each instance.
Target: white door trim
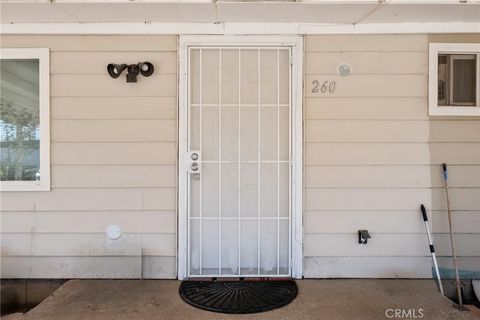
(296, 43)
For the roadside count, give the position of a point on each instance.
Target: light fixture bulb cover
(146, 69)
(114, 70)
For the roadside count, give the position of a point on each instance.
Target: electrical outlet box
(363, 236)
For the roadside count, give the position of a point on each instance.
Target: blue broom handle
(445, 171)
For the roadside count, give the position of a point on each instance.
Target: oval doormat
(238, 296)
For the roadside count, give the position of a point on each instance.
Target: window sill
(454, 111)
(23, 186)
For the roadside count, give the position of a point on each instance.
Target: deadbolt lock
(194, 156)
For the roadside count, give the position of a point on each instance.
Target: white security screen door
(239, 161)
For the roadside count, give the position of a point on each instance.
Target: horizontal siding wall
(367, 157)
(464, 173)
(113, 161)
(373, 156)
(456, 142)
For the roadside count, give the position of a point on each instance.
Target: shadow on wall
(456, 143)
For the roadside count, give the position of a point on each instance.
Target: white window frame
(296, 43)
(450, 48)
(42, 54)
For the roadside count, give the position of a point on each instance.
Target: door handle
(194, 166)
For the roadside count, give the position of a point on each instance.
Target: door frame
(296, 60)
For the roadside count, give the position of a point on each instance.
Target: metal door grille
(228, 107)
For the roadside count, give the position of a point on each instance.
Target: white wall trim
(296, 43)
(43, 55)
(182, 242)
(298, 165)
(208, 1)
(237, 28)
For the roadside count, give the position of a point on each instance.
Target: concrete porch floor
(317, 299)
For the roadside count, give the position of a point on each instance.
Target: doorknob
(194, 166)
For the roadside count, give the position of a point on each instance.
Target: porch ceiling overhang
(306, 13)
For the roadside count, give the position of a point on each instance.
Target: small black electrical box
(363, 236)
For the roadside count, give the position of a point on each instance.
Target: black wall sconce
(144, 68)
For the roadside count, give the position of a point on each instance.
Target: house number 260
(329, 86)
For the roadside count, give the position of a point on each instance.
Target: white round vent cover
(114, 232)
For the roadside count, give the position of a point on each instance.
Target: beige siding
(367, 62)
(89, 43)
(113, 161)
(459, 37)
(365, 43)
(389, 222)
(379, 85)
(367, 156)
(327, 153)
(385, 108)
(94, 62)
(395, 245)
(365, 199)
(456, 141)
(89, 267)
(373, 155)
(367, 176)
(455, 154)
(368, 267)
(67, 244)
(113, 153)
(366, 131)
(113, 130)
(157, 221)
(101, 85)
(148, 176)
(113, 108)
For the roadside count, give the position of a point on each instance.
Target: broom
(452, 240)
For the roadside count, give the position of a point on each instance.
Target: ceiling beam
(238, 28)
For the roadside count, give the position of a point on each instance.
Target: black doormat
(238, 297)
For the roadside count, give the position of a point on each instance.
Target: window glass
(457, 79)
(19, 120)
(464, 85)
